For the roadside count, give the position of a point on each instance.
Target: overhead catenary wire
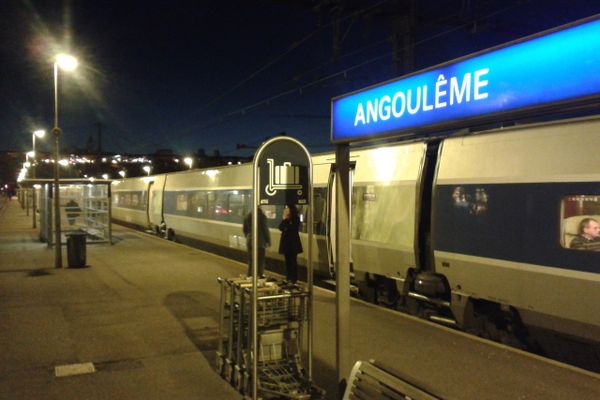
(301, 89)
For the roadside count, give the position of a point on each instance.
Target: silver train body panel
(556, 297)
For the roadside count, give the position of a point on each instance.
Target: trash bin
(76, 249)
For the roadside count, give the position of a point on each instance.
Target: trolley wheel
(228, 372)
(238, 381)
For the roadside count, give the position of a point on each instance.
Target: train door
(149, 202)
(331, 215)
(423, 250)
(155, 203)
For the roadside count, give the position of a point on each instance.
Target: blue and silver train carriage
(472, 231)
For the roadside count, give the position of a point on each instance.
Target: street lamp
(147, 169)
(189, 162)
(39, 133)
(122, 173)
(67, 63)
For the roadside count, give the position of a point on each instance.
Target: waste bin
(76, 249)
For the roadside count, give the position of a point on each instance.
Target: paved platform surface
(145, 313)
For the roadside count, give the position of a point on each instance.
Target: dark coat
(290, 237)
(264, 238)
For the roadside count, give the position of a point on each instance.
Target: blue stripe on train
(514, 222)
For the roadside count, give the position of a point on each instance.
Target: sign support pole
(255, 184)
(342, 267)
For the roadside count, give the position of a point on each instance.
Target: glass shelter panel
(86, 207)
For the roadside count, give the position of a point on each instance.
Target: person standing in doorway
(290, 245)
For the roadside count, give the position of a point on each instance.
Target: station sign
(551, 69)
(283, 177)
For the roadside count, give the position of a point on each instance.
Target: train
(471, 230)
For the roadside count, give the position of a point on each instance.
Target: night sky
(185, 75)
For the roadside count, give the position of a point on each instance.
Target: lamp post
(39, 133)
(26, 166)
(147, 169)
(66, 63)
(189, 161)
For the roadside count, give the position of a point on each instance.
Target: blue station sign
(561, 66)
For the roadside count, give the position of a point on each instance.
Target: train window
(221, 205)
(302, 210)
(472, 201)
(135, 200)
(181, 202)
(580, 222)
(198, 205)
(320, 210)
(237, 205)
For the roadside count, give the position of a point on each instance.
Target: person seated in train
(264, 240)
(290, 245)
(588, 237)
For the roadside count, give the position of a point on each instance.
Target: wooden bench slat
(368, 381)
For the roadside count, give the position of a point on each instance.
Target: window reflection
(472, 201)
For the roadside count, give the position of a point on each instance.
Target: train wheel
(413, 307)
(170, 235)
(500, 326)
(367, 290)
(386, 293)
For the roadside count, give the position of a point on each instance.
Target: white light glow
(40, 133)
(64, 162)
(384, 164)
(66, 62)
(104, 176)
(211, 173)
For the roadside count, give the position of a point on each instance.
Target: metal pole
(56, 132)
(109, 189)
(342, 268)
(33, 173)
(309, 264)
(255, 283)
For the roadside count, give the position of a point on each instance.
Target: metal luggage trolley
(281, 319)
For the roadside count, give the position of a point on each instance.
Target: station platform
(141, 322)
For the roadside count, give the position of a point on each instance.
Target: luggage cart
(282, 315)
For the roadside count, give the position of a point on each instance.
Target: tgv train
(473, 231)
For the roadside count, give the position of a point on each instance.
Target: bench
(371, 381)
